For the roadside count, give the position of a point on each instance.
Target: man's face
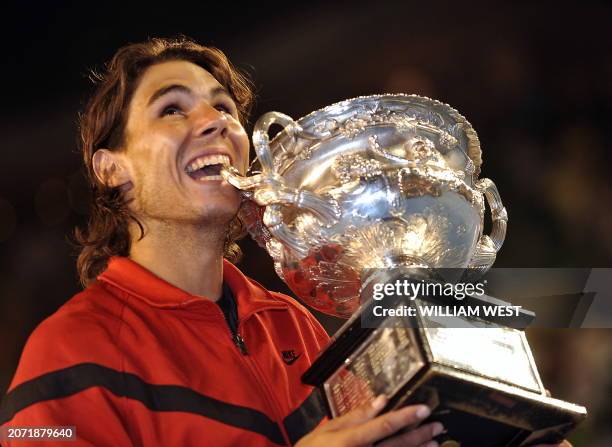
(181, 126)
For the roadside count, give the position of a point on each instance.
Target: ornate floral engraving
(306, 153)
(351, 167)
(326, 126)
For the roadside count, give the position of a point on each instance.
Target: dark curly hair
(102, 125)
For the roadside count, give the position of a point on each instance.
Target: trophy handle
(261, 139)
(273, 220)
(488, 246)
(269, 189)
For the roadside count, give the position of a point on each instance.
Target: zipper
(235, 336)
(262, 382)
(240, 344)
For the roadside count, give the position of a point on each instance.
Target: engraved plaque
(385, 362)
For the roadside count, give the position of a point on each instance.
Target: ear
(109, 167)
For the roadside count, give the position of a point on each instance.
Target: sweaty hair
(102, 125)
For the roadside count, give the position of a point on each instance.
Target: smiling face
(182, 125)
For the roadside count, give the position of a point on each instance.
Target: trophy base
(484, 388)
(483, 413)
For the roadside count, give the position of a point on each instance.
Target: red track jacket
(133, 360)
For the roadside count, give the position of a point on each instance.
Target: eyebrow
(219, 90)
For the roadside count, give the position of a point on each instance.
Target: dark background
(534, 80)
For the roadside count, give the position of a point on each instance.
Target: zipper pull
(239, 342)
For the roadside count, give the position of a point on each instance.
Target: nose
(211, 123)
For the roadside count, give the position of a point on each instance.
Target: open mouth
(207, 167)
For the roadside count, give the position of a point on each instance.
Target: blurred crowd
(534, 83)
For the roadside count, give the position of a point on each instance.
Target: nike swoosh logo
(291, 361)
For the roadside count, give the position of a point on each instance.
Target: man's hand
(361, 427)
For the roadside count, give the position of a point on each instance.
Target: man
(169, 344)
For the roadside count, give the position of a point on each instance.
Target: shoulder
(94, 312)
(84, 330)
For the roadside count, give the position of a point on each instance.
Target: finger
(416, 437)
(549, 394)
(385, 425)
(563, 444)
(357, 416)
(430, 444)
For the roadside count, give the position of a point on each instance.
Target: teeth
(210, 178)
(207, 160)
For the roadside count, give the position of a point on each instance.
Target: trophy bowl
(371, 182)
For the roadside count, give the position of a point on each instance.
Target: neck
(187, 256)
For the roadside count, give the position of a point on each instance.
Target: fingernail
(437, 429)
(379, 402)
(423, 411)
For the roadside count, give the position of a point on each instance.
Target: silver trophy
(390, 183)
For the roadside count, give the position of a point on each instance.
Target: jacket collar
(140, 283)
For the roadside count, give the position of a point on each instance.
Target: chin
(220, 212)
